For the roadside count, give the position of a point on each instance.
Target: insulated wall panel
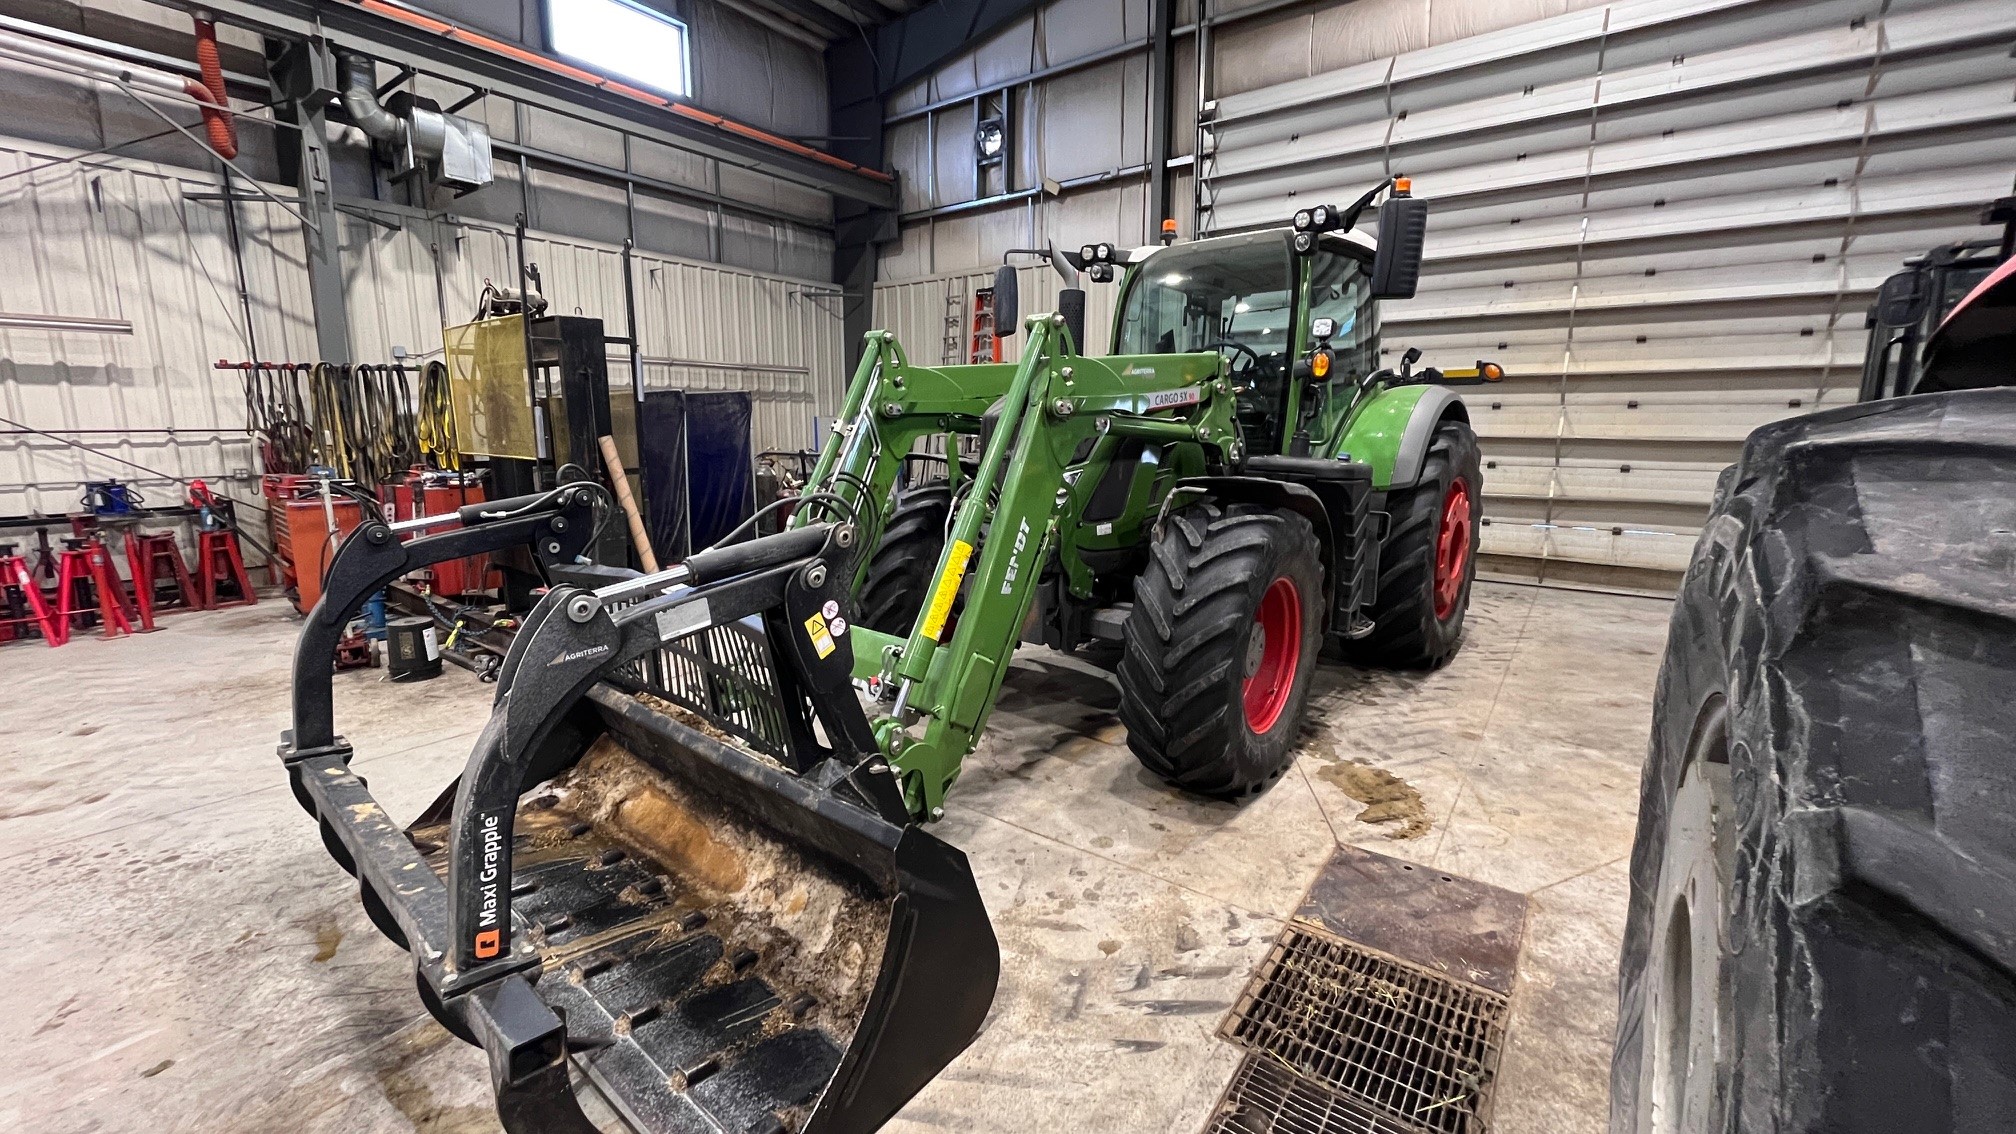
(1666, 219)
(125, 243)
(147, 245)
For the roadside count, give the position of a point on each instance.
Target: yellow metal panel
(489, 390)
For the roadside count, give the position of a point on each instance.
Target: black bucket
(734, 947)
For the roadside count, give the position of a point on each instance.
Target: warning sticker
(822, 638)
(948, 589)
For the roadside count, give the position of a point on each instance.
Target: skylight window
(624, 40)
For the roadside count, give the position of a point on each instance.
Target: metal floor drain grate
(1408, 1049)
(1267, 1098)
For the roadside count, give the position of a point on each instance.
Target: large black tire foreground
(900, 571)
(1822, 933)
(1220, 647)
(1429, 558)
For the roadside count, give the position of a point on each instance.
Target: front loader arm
(1026, 490)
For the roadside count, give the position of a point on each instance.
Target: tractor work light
(1302, 221)
(1305, 243)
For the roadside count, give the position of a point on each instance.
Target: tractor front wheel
(1224, 635)
(900, 570)
(1429, 558)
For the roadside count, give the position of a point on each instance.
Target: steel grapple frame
(551, 934)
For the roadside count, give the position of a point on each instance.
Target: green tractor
(689, 867)
(1237, 485)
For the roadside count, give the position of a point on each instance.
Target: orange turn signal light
(1490, 371)
(1403, 185)
(1320, 365)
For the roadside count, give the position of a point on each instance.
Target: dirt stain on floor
(1387, 797)
(406, 1088)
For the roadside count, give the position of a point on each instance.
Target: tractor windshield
(1231, 295)
(1236, 295)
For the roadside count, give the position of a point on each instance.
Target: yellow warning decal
(948, 589)
(816, 630)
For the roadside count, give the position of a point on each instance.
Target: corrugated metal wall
(1665, 217)
(932, 317)
(1083, 131)
(125, 240)
(701, 326)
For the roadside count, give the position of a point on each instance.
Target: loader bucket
(733, 949)
(711, 938)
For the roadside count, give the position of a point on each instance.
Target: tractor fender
(1393, 431)
(1437, 405)
(1263, 491)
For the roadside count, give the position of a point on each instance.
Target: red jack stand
(154, 560)
(87, 562)
(16, 577)
(218, 561)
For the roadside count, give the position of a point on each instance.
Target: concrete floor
(184, 956)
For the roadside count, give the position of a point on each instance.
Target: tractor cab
(1254, 300)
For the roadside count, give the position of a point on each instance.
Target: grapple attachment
(624, 890)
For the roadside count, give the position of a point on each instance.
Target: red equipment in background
(22, 603)
(154, 560)
(309, 520)
(313, 529)
(83, 564)
(440, 492)
(218, 560)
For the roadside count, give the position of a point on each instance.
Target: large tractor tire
(1429, 558)
(1822, 932)
(900, 571)
(1220, 646)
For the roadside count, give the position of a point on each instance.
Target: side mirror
(1900, 302)
(1403, 232)
(1007, 302)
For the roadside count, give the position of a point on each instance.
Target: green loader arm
(1049, 425)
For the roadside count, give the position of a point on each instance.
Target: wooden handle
(614, 463)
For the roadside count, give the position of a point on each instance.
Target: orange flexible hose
(216, 110)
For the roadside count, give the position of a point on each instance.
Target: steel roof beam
(392, 41)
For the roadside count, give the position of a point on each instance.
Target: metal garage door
(1667, 218)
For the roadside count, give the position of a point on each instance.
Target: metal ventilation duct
(448, 149)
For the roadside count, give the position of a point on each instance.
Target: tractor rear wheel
(1223, 638)
(1429, 558)
(900, 570)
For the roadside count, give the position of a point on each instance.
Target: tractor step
(1109, 623)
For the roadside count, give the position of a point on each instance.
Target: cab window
(1338, 289)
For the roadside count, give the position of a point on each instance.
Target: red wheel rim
(1452, 549)
(1271, 676)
